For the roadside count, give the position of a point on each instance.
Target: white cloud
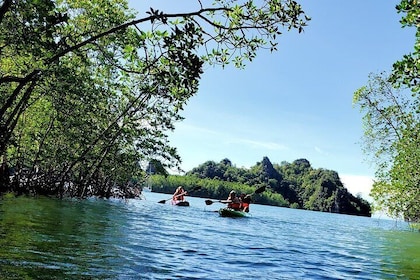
(356, 184)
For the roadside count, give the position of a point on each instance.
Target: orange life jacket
(244, 204)
(234, 205)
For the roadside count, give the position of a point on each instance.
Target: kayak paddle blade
(260, 189)
(209, 202)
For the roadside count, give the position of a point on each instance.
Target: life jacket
(235, 205)
(244, 204)
(245, 207)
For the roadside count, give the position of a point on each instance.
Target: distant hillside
(298, 184)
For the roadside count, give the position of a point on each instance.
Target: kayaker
(179, 194)
(233, 201)
(245, 201)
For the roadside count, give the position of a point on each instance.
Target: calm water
(142, 239)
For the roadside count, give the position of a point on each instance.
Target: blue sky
(296, 102)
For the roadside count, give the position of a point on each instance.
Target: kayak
(180, 203)
(227, 212)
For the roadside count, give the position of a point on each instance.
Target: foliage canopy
(88, 90)
(391, 105)
(391, 135)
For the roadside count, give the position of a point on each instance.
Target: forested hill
(295, 185)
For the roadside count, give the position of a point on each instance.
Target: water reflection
(52, 239)
(400, 254)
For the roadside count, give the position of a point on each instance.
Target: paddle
(194, 189)
(210, 202)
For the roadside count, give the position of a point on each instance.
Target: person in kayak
(179, 194)
(245, 201)
(233, 201)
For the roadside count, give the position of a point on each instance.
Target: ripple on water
(147, 240)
